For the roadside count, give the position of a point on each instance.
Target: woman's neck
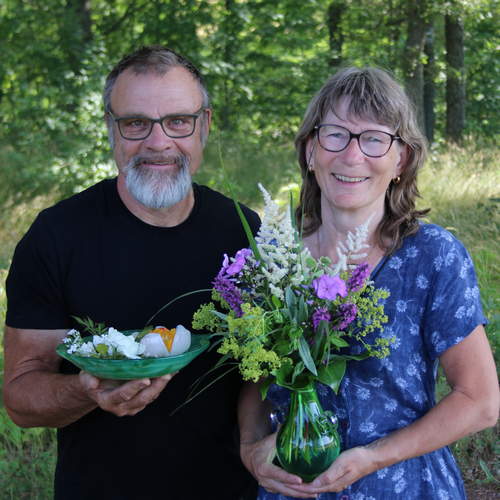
(335, 227)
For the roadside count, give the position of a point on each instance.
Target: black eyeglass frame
(117, 120)
(355, 136)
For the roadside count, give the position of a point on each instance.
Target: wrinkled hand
(123, 397)
(350, 466)
(257, 458)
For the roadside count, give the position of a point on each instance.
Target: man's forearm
(42, 399)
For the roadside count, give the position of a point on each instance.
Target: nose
(352, 154)
(157, 140)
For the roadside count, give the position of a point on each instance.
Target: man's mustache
(138, 160)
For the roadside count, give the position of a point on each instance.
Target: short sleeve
(34, 284)
(453, 307)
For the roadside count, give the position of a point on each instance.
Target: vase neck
(306, 396)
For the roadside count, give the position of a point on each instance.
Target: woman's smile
(347, 179)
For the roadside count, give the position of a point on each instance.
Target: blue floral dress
(434, 303)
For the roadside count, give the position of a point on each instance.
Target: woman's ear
(404, 155)
(310, 145)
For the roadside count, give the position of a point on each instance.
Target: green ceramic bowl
(130, 369)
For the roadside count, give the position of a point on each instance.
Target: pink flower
(328, 287)
(239, 261)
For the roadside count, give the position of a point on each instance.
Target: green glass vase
(308, 441)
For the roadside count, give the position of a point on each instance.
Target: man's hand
(123, 398)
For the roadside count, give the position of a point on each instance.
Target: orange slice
(166, 335)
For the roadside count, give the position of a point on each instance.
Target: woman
(360, 150)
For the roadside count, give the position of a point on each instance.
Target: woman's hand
(258, 457)
(350, 466)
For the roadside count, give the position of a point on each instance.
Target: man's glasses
(373, 143)
(138, 128)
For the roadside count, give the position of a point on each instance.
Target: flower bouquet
(287, 318)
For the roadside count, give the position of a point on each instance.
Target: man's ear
(208, 117)
(205, 122)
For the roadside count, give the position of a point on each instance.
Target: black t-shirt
(89, 256)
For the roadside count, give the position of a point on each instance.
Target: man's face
(157, 170)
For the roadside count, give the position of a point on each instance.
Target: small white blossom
(114, 341)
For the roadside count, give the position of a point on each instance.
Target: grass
(459, 184)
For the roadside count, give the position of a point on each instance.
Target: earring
(310, 167)
(396, 180)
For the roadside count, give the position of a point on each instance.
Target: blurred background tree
(263, 60)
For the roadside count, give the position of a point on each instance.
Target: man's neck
(161, 217)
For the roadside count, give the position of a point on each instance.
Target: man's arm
(37, 395)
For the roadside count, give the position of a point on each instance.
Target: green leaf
(305, 355)
(244, 221)
(220, 315)
(297, 371)
(339, 342)
(486, 470)
(332, 374)
(354, 357)
(276, 302)
(302, 314)
(264, 386)
(102, 349)
(283, 374)
(282, 348)
(91, 326)
(291, 301)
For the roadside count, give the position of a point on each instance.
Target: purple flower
(239, 261)
(347, 314)
(328, 287)
(230, 293)
(358, 277)
(321, 314)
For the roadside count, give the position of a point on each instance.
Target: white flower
(86, 349)
(123, 344)
(115, 343)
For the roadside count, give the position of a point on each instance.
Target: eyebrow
(142, 115)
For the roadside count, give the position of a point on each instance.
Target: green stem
(148, 322)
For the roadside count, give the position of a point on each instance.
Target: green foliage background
(263, 60)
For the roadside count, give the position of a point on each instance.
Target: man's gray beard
(156, 188)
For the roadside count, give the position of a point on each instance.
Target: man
(117, 253)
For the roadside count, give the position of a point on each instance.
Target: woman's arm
(471, 406)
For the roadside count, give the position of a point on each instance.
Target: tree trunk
(229, 28)
(455, 79)
(429, 86)
(335, 12)
(76, 32)
(412, 61)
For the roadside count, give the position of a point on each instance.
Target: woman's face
(349, 180)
